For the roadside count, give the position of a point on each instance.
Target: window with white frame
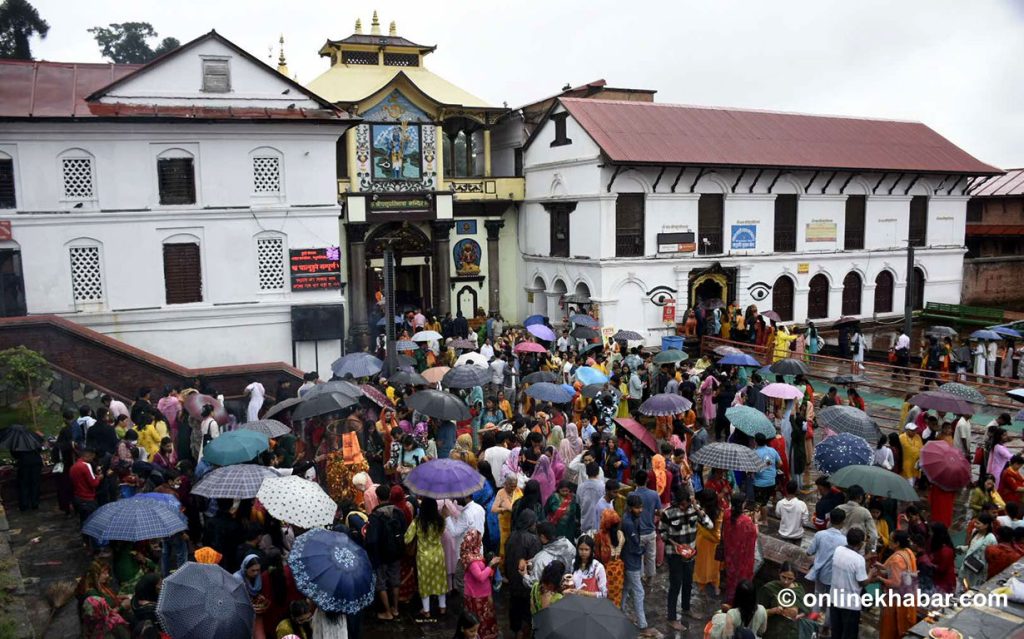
(270, 263)
(77, 177)
(266, 174)
(86, 274)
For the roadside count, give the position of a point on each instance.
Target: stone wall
(994, 281)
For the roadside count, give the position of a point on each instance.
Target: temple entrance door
(410, 287)
(707, 290)
(12, 286)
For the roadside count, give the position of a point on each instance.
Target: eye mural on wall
(662, 295)
(759, 291)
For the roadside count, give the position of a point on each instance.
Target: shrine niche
(467, 257)
(405, 239)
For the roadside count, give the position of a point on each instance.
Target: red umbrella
(529, 347)
(636, 429)
(194, 406)
(945, 466)
(376, 396)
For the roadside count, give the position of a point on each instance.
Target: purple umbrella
(444, 479)
(942, 402)
(664, 404)
(541, 331)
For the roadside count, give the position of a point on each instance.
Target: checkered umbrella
(297, 501)
(466, 376)
(200, 601)
(848, 419)
(240, 481)
(964, 392)
(840, 451)
(134, 519)
(269, 427)
(728, 457)
(751, 421)
(357, 365)
(665, 404)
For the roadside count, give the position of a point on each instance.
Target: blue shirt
(766, 477)
(445, 439)
(652, 502)
(632, 550)
(823, 546)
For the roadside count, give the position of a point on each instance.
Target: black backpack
(391, 536)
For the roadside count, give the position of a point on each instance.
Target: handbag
(975, 564)
(909, 580)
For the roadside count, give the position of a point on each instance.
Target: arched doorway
(707, 290)
(851, 294)
(918, 301)
(412, 251)
(883, 292)
(782, 298)
(540, 298)
(559, 314)
(817, 297)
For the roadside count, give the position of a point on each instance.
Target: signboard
(607, 332)
(315, 269)
(668, 313)
(677, 242)
(405, 203)
(744, 236)
(821, 231)
(5, 230)
(318, 322)
(803, 268)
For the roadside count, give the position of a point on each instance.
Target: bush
(24, 371)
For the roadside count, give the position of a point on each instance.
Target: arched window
(582, 290)
(540, 299)
(270, 261)
(817, 297)
(86, 271)
(78, 176)
(176, 177)
(183, 269)
(883, 292)
(267, 172)
(851, 294)
(782, 298)
(918, 299)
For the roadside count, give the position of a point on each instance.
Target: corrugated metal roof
(1005, 230)
(651, 133)
(30, 89)
(1001, 186)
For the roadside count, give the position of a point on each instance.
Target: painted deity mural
(396, 149)
(467, 257)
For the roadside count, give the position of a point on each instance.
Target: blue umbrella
(1006, 331)
(986, 334)
(203, 600)
(134, 519)
(739, 359)
(333, 571)
(161, 498)
(235, 447)
(842, 450)
(569, 388)
(533, 319)
(548, 392)
(541, 331)
(584, 320)
(357, 365)
(382, 321)
(589, 376)
(751, 421)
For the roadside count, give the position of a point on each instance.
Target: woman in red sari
(739, 536)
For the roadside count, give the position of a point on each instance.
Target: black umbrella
(788, 366)
(537, 377)
(282, 406)
(592, 390)
(357, 365)
(466, 376)
(344, 387)
(204, 600)
(439, 405)
(578, 617)
(582, 332)
(19, 439)
(322, 404)
(847, 379)
(845, 320)
(405, 378)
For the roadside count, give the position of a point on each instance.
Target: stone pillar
(442, 263)
(487, 153)
(493, 265)
(359, 332)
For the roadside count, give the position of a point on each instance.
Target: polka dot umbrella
(296, 501)
(842, 450)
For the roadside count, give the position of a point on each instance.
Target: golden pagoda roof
(349, 84)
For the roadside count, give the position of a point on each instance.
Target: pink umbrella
(781, 391)
(529, 347)
(434, 375)
(945, 466)
(194, 407)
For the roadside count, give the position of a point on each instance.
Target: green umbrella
(235, 447)
(750, 421)
(875, 480)
(670, 356)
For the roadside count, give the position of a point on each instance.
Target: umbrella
(584, 320)
(406, 345)
(383, 321)
(269, 427)
(444, 479)
(357, 365)
(134, 519)
(541, 331)
(1006, 331)
(876, 481)
(724, 350)
(588, 375)
(964, 392)
(239, 481)
(583, 332)
(540, 376)
(405, 378)
(846, 319)
(462, 345)
(848, 419)
(788, 366)
(194, 406)
(548, 392)
(533, 319)
(728, 457)
(942, 331)
(573, 617)
(765, 372)
(376, 396)
(529, 347)
(297, 501)
(847, 379)
(282, 406)
(235, 447)
(466, 377)
(435, 374)
(333, 571)
(439, 405)
(1017, 394)
(712, 303)
(772, 315)
(160, 498)
(199, 601)
(593, 390)
(986, 334)
(569, 388)
(427, 336)
(315, 404)
(751, 421)
(945, 466)
(840, 451)
(739, 359)
(627, 336)
(19, 439)
(637, 430)
(670, 356)
(942, 402)
(476, 359)
(781, 391)
(665, 404)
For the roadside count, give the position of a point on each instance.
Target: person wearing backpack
(385, 544)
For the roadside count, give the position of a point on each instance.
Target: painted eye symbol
(662, 295)
(759, 291)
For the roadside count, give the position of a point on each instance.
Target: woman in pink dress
(707, 399)
(544, 473)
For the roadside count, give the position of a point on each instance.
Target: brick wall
(994, 281)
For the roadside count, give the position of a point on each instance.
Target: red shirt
(83, 481)
(1009, 483)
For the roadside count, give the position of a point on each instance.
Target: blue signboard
(744, 236)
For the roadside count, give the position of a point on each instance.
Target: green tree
(125, 42)
(24, 371)
(19, 21)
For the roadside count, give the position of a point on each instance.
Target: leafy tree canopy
(125, 42)
(19, 21)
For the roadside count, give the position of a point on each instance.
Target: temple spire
(393, 30)
(375, 25)
(282, 66)
(359, 26)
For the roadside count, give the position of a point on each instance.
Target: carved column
(359, 331)
(442, 264)
(493, 265)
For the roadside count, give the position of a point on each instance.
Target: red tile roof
(1014, 230)
(53, 89)
(1011, 184)
(659, 134)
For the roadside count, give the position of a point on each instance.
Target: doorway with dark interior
(12, 284)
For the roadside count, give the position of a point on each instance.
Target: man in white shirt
(962, 434)
(792, 514)
(902, 351)
(498, 454)
(992, 352)
(487, 350)
(570, 361)
(497, 367)
(849, 576)
(563, 342)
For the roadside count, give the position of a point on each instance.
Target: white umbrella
(427, 336)
(297, 501)
(475, 359)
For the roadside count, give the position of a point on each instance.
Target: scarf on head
(472, 548)
(603, 540)
(208, 555)
(398, 500)
(254, 587)
(660, 474)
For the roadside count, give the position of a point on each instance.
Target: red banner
(668, 313)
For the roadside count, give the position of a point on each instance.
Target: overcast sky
(952, 64)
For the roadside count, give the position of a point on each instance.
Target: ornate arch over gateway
(408, 240)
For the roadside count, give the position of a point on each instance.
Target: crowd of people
(572, 502)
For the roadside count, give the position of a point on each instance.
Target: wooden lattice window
(183, 273)
(851, 294)
(883, 292)
(918, 231)
(710, 221)
(785, 223)
(629, 225)
(266, 174)
(401, 60)
(7, 195)
(176, 179)
(359, 57)
(856, 206)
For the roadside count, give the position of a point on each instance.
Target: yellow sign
(821, 231)
(803, 267)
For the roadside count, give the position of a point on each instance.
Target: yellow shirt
(149, 438)
(882, 526)
(911, 453)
